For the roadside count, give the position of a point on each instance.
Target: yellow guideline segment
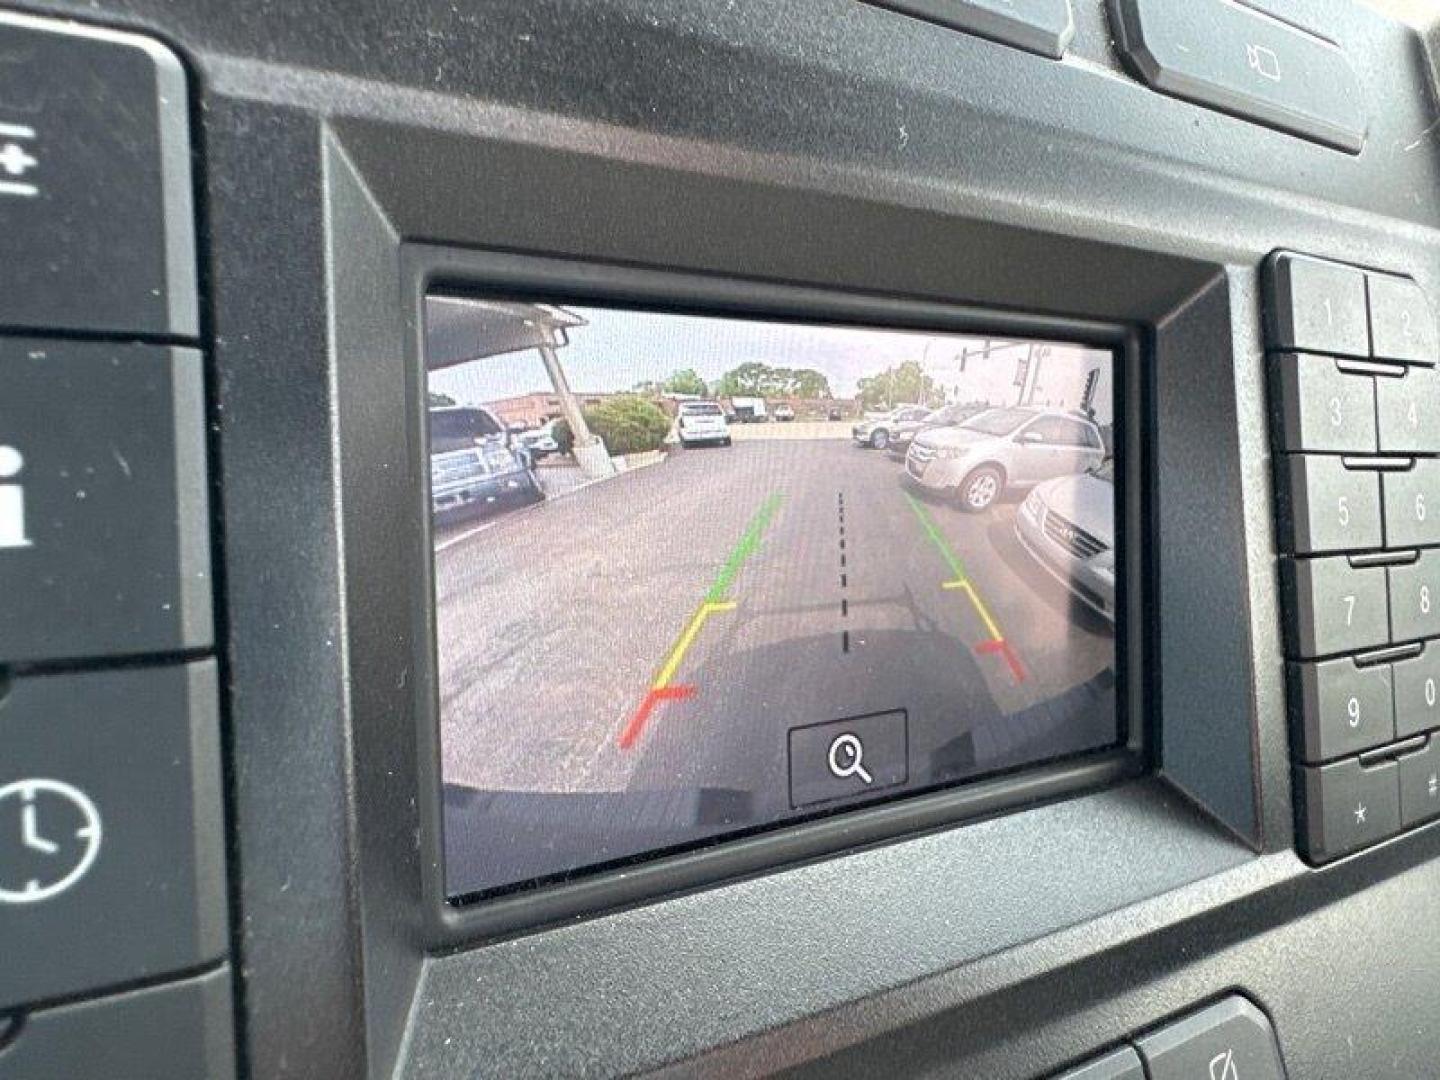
(677, 654)
(979, 606)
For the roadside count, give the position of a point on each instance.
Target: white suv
(1001, 450)
(702, 421)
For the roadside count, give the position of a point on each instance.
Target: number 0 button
(1417, 693)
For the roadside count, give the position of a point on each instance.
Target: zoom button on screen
(841, 759)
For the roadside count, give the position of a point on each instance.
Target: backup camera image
(697, 576)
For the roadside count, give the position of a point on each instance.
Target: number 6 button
(1412, 505)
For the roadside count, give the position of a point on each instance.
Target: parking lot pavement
(666, 629)
(791, 430)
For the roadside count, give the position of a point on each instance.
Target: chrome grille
(1076, 540)
(459, 465)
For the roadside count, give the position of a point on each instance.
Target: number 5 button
(1326, 507)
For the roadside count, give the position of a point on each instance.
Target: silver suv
(877, 431)
(1002, 450)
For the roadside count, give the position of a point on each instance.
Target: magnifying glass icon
(848, 749)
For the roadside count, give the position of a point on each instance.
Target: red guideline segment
(1001, 646)
(636, 726)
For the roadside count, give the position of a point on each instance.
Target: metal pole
(568, 405)
(590, 453)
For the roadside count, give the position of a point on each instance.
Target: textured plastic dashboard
(823, 144)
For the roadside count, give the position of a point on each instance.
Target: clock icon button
(49, 839)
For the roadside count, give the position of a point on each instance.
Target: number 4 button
(1408, 407)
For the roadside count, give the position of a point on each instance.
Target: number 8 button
(1415, 598)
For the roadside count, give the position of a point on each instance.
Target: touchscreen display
(699, 576)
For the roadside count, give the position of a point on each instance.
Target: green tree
(754, 379)
(750, 379)
(906, 383)
(438, 401)
(809, 384)
(685, 382)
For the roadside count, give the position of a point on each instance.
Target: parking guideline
(749, 541)
(961, 582)
(715, 602)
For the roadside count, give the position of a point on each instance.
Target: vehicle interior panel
(658, 537)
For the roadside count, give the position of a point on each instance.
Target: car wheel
(980, 489)
(880, 438)
(533, 493)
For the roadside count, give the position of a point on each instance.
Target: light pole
(589, 449)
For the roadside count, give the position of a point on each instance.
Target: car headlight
(949, 453)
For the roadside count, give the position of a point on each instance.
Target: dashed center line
(844, 578)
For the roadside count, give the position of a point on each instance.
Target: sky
(617, 349)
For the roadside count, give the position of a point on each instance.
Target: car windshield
(453, 429)
(701, 408)
(998, 421)
(952, 414)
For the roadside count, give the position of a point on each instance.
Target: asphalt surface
(621, 668)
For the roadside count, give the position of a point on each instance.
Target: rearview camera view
(698, 576)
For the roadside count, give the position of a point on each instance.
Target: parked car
(877, 433)
(1002, 450)
(948, 416)
(702, 422)
(784, 412)
(748, 410)
(834, 413)
(541, 441)
(1068, 525)
(475, 463)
